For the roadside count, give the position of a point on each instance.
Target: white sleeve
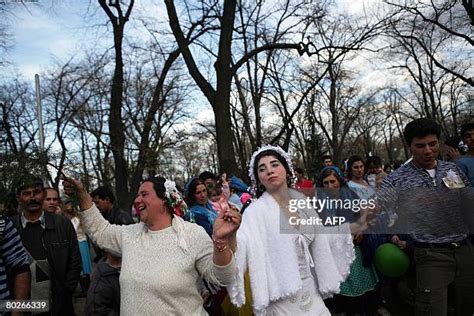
(105, 235)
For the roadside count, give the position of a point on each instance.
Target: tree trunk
(116, 126)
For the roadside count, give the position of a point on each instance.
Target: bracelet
(221, 249)
(219, 241)
(220, 244)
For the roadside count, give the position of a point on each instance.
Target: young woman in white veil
(291, 267)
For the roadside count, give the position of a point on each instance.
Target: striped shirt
(426, 208)
(12, 254)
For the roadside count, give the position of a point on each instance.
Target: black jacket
(118, 216)
(64, 258)
(103, 297)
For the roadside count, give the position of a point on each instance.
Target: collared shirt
(428, 210)
(25, 221)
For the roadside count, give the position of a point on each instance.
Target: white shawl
(271, 256)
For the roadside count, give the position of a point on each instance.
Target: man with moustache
(433, 199)
(51, 243)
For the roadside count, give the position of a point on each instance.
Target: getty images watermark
(324, 204)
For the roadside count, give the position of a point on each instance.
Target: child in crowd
(103, 297)
(219, 194)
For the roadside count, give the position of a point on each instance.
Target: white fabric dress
(308, 300)
(290, 271)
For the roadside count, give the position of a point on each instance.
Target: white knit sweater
(160, 269)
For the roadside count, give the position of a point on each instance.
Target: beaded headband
(278, 150)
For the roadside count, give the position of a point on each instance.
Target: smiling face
(271, 173)
(148, 203)
(425, 150)
(214, 194)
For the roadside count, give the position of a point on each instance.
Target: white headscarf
(279, 151)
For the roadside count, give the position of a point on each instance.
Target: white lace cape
(271, 258)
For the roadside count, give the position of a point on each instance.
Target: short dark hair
(350, 162)
(281, 159)
(373, 160)
(326, 157)
(28, 181)
(299, 170)
(466, 127)
(190, 199)
(453, 141)
(207, 175)
(420, 128)
(103, 193)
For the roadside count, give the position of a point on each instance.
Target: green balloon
(391, 261)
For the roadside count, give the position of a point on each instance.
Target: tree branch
(183, 44)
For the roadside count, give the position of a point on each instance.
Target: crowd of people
(218, 246)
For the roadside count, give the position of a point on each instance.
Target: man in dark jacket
(51, 243)
(104, 199)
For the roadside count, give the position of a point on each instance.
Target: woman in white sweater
(163, 257)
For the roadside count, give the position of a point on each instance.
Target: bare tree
(116, 126)
(429, 24)
(66, 91)
(219, 96)
(433, 91)
(155, 97)
(18, 128)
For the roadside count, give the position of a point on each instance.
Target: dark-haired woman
(200, 209)
(357, 291)
(162, 256)
(291, 268)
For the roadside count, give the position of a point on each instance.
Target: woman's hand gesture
(226, 224)
(75, 188)
(72, 186)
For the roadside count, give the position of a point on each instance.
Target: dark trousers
(436, 269)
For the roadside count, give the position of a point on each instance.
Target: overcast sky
(49, 31)
(46, 30)
(60, 29)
